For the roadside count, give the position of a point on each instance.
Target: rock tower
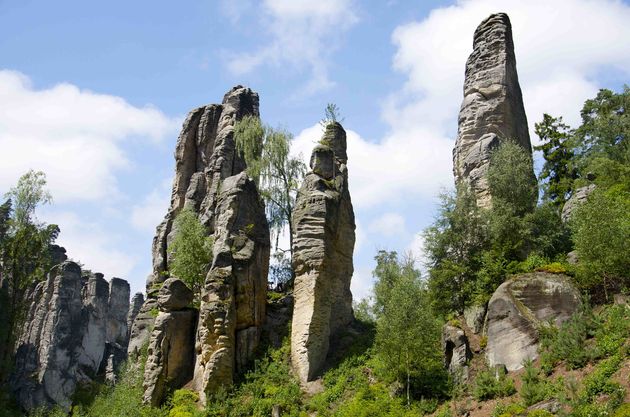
(492, 110)
(323, 243)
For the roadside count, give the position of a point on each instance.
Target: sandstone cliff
(323, 243)
(492, 110)
(210, 180)
(74, 327)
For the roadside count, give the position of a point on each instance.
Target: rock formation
(517, 309)
(134, 308)
(492, 110)
(323, 243)
(579, 196)
(171, 351)
(68, 328)
(210, 180)
(456, 351)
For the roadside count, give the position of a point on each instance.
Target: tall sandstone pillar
(492, 110)
(210, 179)
(323, 243)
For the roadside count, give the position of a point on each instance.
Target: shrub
(184, 404)
(534, 388)
(487, 386)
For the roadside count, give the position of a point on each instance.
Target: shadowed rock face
(210, 180)
(517, 309)
(492, 110)
(65, 340)
(323, 243)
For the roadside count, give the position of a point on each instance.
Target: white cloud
(75, 136)
(361, 284)
(150, 212)
(388, 224)
(303, 34)
(92, 244)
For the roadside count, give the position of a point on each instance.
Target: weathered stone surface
(174, 295)
(475, 316)
(323, 243)
(456, 351)
(233, 302)
(118, 308)
(171, 354)
(205, 156)
(278, 317)
(134, 308)
(579, 196)
(517, 309)
(492, 110)
(64, 340)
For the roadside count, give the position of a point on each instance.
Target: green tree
(558, 170)
(267, 153)
(407, 333)
(24, 248)
(454, 244)
(191, 252)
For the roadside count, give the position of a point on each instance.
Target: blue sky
(94, 93)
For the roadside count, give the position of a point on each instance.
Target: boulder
(323, 244)
(475, 316)
(174, 295)
(134, 308)
(492, 110)
(519, 307)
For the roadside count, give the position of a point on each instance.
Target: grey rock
(134, 308)
(171, 354)
(233, 302)
(63, 343)
(174, 295)
(552, 405)
(118, 308)
(323, 244)
(456, 351)
(492, 110)
(579, 196)
(519, 307)
(475, 316)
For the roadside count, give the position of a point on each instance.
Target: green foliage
(623, 411)
(557, 170)
(601, 232)
(487, 386)
(535, 387)
(191, 251)
(266, 152)
(508, 410)
(184, 404)
(269, 383)
(407, 334)
(29, 193)
(332, 114)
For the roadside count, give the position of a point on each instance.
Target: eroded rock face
(205, 155)
(323, 243)
(492, 110)
(456, 351)
(517, 309)
(233, 302)
(134, 309)
(65, 337)
(210, 180)
(171, 348)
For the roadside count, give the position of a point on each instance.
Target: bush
(534, 389)
(184, 404)
(487, 386)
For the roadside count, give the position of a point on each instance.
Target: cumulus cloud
(388, 224)
(302, 35)
(75, 136)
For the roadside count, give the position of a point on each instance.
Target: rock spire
(492, 110)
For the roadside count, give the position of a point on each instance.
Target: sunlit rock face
(323, 244)
(210, 180)
(492, 110)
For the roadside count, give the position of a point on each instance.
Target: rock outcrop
(492, 110)
(456, 351)
(134, 308)
(68, 328)
(323, 243)
(171, 349)
(210, 180)
(519, 307)
(579, 196)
